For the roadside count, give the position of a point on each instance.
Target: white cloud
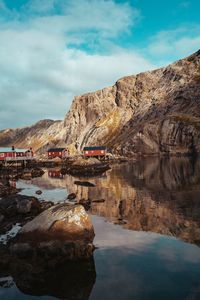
(52, 50)
(175, 43)
(40, 71)
(40, 76)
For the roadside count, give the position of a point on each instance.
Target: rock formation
(155, 112)
(153, 194)
(19, 209)
(62, 232)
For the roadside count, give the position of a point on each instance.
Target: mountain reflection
(158, 195)
(71, 280)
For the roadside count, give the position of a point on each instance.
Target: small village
(12, 154)
(92, 160)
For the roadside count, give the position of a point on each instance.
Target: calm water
(147, 234)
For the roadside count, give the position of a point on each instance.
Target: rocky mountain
(155, 112)
(36, 136)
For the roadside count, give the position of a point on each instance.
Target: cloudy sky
(52, 50)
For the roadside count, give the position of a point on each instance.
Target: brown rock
(84, 183)
(62, 229)
(19, 204)
(6, 189)
(85, 202)
(71, 196)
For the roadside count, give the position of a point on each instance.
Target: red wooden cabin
(55, 174)
(57, 152)
(11, 153)
(94, 151)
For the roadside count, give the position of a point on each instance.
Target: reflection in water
(71, 280)
(148, 197)
(158, 195)
(144, 266)
(33, 277)
(55, 173)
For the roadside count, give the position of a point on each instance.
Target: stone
(84, 183)
(85, 202)
(60, 232)
(6, 189)
(46, 204)
(39, 192)
(98, 201)
(19, 209)
(71, 196)
(26, 176)
(19, 204)
(36, 172)
(86, 169)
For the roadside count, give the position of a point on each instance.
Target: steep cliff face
(150, 113)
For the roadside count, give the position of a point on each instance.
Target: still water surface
(147, 235)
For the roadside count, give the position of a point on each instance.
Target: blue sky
(52, 50)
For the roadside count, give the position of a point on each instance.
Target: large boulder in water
(62, 232)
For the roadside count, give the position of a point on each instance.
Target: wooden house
(96, 151)
(55, 174)
(57, 152)
(15, 154)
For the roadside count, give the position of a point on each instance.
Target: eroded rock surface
(60, 232)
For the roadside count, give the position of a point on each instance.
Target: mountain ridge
(153, 112)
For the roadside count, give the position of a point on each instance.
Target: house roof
(94, 148)
(21, 150)
(56, 149)
(9, 149)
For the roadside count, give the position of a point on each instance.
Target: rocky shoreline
(34, 232)
(42, 242)
(7, 173)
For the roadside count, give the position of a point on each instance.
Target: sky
(53, 50)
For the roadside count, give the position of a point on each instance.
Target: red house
(55, 174)
(57, 152)
(7, 153)
(94, 151)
